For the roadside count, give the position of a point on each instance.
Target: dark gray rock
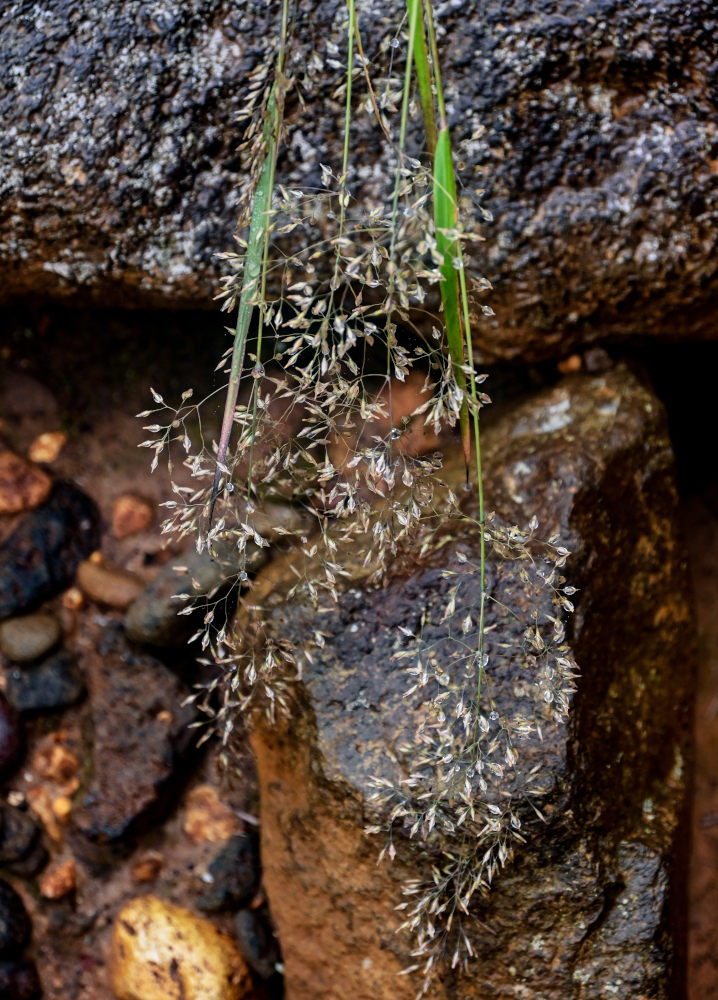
(14, 921)
(234, 875)
(592, 904)
(254, 934)
(12, 739)
(55, 683)
(21, 848)
(19, 981)
(118, 151)
(43, 551)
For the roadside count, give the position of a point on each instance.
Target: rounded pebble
(108, 585)
(55, 683)
(12, 742)
(19, 981)
(14, 921)
(21, 847)
(161, 951)
(257, 941)
(29, 637)
(131, 515)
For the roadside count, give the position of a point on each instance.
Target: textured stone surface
(139, 734)
(592, 905)
(599, 159)
(165, 952)
(55, 683)
(22, 484)
(29, 637)
(40, 556)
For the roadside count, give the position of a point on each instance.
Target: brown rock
(22, 484)
(38, 798)
(52, 759)
(590, 897)
(165, 952)
(137, 751)
(131, 515)
(148, 867)
(59, 879)
(208, 819)
(108, 585)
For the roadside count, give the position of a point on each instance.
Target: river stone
(39, 557)
(140, 738)
(161, 951)
(154, 617)
(55, 683)
(108, 585)
(21, 848)
(233, 875)
(12, 738)
(592, 905)
(28, 638)
(119, 166)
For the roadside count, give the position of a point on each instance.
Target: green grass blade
(423, 71)
(445, 219)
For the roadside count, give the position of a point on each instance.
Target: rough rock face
(599, 159)
(592, 905)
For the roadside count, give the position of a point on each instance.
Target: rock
(590, 897)
(46, 447)
(233, 875)
(154, 617)
(140, 738)
(595, 156)
(21, 849)
(131, 515)
(206, 818)
(14, 921)
(19, 981)
(109, 585)
(40, 801)
(12, 740)
(148, 867)
(52, 759)
(22, 485)
(160, 951)
(41, 555)
(257, 941)
(29, 637)
(59, 880)
(53, 684)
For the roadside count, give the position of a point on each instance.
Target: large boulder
(118, 164)
(592, 905)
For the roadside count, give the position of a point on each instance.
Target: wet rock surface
(597, 159)
(40, 556)
(139, 735)
(233, 876)
(592, 898)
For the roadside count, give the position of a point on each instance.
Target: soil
(87, 374)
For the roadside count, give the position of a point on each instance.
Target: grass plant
(332, 303)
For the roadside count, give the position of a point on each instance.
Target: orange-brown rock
(208, 819)
(22, 484)
(131, 514)
(59, 879)
(46, 447)
(109, 585)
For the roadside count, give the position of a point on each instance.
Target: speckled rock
(40, 556)
(165, 952)
(55, 683)
(233, 875)
(108, 585)
(14, 921)
(139, 735)
(22, 484)
(28, 638)
(598, 157)
(12, 740)
(592, 904)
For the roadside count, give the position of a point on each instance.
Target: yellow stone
(165, 952)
